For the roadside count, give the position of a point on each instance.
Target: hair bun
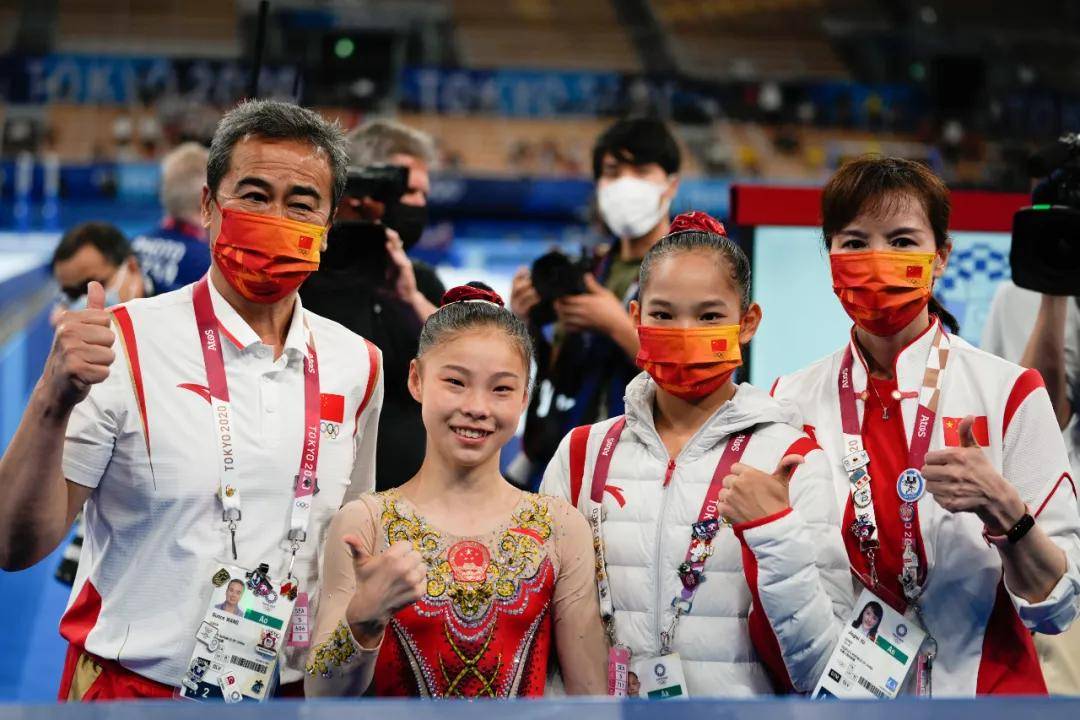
(697, 221)
(471, 292)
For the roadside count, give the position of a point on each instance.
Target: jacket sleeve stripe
(131, 350)
(772, 390)
(372, 377)
(1028, 382)
(1064, 476)
(803, 446)
(579, 440)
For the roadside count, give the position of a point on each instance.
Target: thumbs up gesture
(81, 351)
(961, 479)
(750, 494)
(385, 583)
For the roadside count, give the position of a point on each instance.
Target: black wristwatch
(1015, 533)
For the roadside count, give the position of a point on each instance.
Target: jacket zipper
(659, 613)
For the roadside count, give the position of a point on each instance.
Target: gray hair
(183, 174)
(738, 265)
(276, 120)
(377, 141)
(456, 317)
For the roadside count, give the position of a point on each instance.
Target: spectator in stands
(95, 251)
(139, 410)
(368, 283)
(176, 253)
(585, 364)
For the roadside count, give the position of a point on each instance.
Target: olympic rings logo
(329, 429)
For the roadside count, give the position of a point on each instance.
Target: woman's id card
(876, 650)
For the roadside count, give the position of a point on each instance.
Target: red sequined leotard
(485, 626)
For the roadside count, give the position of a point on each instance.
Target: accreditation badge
(659, 678)
(874, 655)
(239, 640)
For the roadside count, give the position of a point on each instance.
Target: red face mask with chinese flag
(689, 363)
(882, 291)
(265, 257)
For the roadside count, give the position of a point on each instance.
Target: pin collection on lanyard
(910, 486)
(305, 483)
(691, 571)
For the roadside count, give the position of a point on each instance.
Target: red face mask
(882, 291)
(689, 363)
(264, 257)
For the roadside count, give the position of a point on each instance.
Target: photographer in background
(95, 251)
(587, 356)
(367, 282)
(1045, 259)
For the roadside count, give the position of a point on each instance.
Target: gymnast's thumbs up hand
(385, 583)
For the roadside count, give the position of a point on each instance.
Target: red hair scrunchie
(465, 293)
(697, 221)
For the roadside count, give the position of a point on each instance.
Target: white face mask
(631, 207)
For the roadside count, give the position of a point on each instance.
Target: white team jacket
(1026, 447)
(796, 557)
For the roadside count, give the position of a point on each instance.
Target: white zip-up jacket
(776, 590)
(975, 618)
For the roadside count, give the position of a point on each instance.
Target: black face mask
(408, 221)
(357, 247)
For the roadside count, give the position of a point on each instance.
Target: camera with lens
(556, 275)
(382, 183)
(1045, 254)
(359, 245)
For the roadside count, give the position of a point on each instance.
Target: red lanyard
(305, 482)
(911, 484)
(691, 572)
(919, 444)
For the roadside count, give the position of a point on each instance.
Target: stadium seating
(187, 28)
(749, 39)
(564, 34)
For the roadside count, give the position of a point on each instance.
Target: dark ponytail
(947, 318)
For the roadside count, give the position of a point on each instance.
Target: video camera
(383, 183)
(556, 275)
(359, 246)
(1045, 254)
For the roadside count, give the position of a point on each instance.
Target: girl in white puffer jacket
(749, 609)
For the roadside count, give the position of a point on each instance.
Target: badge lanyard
(910, 486)
(224, 434)
(692, 571)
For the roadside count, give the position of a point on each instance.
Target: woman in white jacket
(739, 611)
(965, 516)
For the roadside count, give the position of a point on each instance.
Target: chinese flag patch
(333, 407)
(914, 271)
(306, 243)
(979, 429)
(719, 346)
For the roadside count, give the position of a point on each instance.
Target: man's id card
(237, 644)
(876, 650)
(657, 678)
